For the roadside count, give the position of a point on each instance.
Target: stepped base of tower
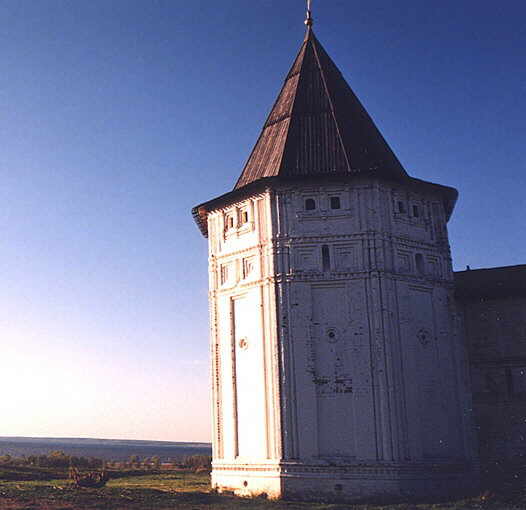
(346, 483)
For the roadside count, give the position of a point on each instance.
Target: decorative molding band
(416, 469)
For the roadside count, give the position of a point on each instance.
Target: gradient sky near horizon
(118, 116)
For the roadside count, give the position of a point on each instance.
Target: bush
(198, 461)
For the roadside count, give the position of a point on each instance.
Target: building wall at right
(495, 331)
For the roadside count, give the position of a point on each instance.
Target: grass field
(47, 489)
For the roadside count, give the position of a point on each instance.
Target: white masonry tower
(338, 368)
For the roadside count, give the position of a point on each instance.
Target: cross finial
(309, 21)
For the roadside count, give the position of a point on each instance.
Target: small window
(310, 204)
(244, 217)
(416, 211)
(420, 266)
(230, 222)
(401, 207)
(325, 258)
(335, 203)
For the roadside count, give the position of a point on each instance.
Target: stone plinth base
(345, 483)
(249, 480)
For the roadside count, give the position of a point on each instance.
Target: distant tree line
(55, 459)
(59, 459)
(188, 462)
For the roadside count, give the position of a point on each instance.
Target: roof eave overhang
(449, 194)
(201, 211)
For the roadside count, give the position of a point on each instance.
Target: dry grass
(186, 490)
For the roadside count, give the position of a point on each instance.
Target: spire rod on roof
(309, 21)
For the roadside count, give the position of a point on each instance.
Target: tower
(338, 368)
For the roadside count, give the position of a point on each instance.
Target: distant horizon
(101, 448)
(104, 439)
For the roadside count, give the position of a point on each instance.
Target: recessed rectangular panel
(306, 258)
(226, 397)
(430, 395)
(333, 375)
(249, 378)
(345, 255)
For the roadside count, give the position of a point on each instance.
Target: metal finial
(309, 21)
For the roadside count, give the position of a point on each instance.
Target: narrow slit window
(244, 217)
(325, 258)
(517, 384)
(230, 222)
(509, 382)
(401, 207)
(310, 204)
(420, 266)
(335, 203)
(416, 211)
(224, 274)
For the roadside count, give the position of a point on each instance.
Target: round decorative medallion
(424, 336)
(332, 335)
(243, 344)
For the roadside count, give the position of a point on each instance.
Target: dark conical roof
(318, 126)
(317, 129)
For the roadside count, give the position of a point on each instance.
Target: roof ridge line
(338, 131)
(266, 124)
(294, 101)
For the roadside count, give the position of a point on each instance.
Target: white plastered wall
(373, 360)
(334, 340)
(245, 363)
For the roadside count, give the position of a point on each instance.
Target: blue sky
(118, 116)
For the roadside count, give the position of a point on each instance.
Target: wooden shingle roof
(318, 126)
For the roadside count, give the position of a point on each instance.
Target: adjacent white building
(339, 368)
